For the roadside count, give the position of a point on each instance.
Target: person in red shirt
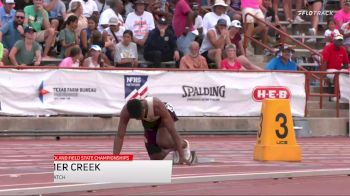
(335, 57)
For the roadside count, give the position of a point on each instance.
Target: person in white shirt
(211, 18)
(331, 32)
(89, 7)
(126, 51)
(140, 22)
(113, 12)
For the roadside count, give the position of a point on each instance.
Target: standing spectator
(113, 12)
(7, 13)
(38, 18)
(343, 15)
(73, 59)
(161, 44)
(77, 10)
(26, 52)
(335, 57)
(210, 19)
(140, 22)
(214, 42)
(253, 7)
(126, 51)
(57, 12)
(86, 33)
(282, 62)
(193, 60)
(102, 5)
(315, 6)
(331, 31)
(183, 25)
(235, 36)
(67, 36)
(89, 7)
(12, 32)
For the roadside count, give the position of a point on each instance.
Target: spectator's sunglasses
(20, 17)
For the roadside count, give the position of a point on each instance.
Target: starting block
(276, 137)
(193, 160)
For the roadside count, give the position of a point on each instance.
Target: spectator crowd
(189, 34)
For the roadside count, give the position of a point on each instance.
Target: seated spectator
(214, 42)
(128, 7)
(331, 31)
(38, 18)
(86, 33)
(73, 59)
(210, 19)
(315, 6)
(231, 62)
(335, 57)
(161, 44)
(126, 51)
(96, 39)
(7, 13)
(235, 36)
(21, 4)
(96, 58)
(113, 12)
(67, 35)
(193, 60)
(26, 52)
(343, 15)
(12, 32)
(283, 62)
(89, 7)
(77, 10)
(57, 12)
(198, 23)
(140, 22)
(115, 32)
(182, 23)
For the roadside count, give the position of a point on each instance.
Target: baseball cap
(236, 23)
(113, 21)
(222, 21)
(96, 48)
(29, 28)
(162, 21)
(220, 3)
(9, 1)
(338, 37)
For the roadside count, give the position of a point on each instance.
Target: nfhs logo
(270, 92)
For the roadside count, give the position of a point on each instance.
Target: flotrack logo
(270, 92)
(213, 93)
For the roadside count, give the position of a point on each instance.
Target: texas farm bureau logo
(135, 86)
(270, 92)
(63, 93)
(201, 93)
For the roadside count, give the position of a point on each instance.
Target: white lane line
(175, 180)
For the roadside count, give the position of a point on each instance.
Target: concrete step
(327, 113)
(326, 105)
(107, 126)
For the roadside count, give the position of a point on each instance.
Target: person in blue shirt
(283, 62)
(7, 13)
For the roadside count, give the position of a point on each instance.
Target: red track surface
(29, 163)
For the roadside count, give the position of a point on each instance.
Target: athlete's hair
(134, 107)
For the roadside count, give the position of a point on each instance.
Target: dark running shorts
(151, 130)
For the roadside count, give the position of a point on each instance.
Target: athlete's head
(135, 108)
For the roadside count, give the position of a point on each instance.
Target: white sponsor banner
(344, 85)
(86, 92)
(102, 170)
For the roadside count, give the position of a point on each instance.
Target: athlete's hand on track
(184, 161)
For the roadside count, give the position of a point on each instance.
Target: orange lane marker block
(276, 137)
